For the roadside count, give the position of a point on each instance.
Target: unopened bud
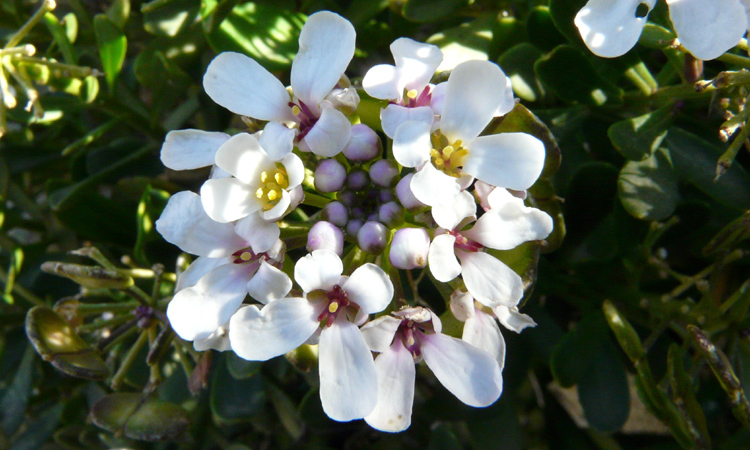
(409, 248)
(372, 237)
(406, 196)
(357, 179)
(364, 144)
(391, 214)
(325, 235)
(329, 176)
(384, 173)
(92, 277)
(352, 228)
(336, 213)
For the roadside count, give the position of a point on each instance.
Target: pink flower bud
(372, 237)
(336, 213)
(364, 144)
(384, 173)
(329, 176)
(406, 196)
(325, 235)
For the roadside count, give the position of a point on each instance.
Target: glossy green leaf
(624, 332)
(639, 137)
(471, 40)
(563, 12)
(541, 29)
(234, 400)
(524, 260)
(568, 73)
(139, 417)
(58, 33)
(518, 64)
(648, 189)
(430, 10)
(507, 32)
(119, 12)
(169, 18)
(241, 369)
(112, 45)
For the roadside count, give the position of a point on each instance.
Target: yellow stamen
(296, 110)
(333, 307)
(272, 195)
(434, 153)
(259, 193)
(439, 163)
(246, 256)
(447, 151)
(263, 177)
(410, 341)
(412, 94)
(280, 178)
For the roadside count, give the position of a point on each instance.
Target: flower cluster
(445, 197)
(706, 28)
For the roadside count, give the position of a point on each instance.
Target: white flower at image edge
(706, 28)
(244, 87)
(474, 92)
(348, 382)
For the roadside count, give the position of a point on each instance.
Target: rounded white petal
(280, 327)
(244, 87)
(489, 280)
(191, 149)
(394, 115)
(462, 305)
(269, 284)
(185, 224)
(379, 333)
(383, 82)
(437, 103)
(196, 270)
(396, 376)
(320, 269)
(416, 62)
(474, 92)
(198, 311)
(409, 248)
(509, 102)
(330, 134)
(326, 45)
(228, 199)
(295, 170)
(509, 160)
(370, 288)
(512, 319)
(277, 140)
(243, 157)
(611, 28)
(433, 187)
(449, 214)
(261, 235)
(708, 28)
(218, 340)
(411, 143)
(469, 373)
(482, 331)
(442, 259)
(508, 225)
(348, 381)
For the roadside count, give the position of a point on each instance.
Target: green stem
(22, 291)
(736, 60)
(100, 308)
(71, 70)
(47, 5)
(727, 158)
(102, 324)
(315, 200)
(129, 360)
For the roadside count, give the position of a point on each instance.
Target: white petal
(191, 149)
(509, 102)
(416, 62)
(611, 28)
(433, 187)
(218, 340)
(471, 99)
(228, 199)
(261, 235)
(379, 333)
(708, 28)
(244, 87)
(185, 224)
(269, 284)
(509, 160)
(326, 45)
(198, 311)
(330, 134)
(396, 376)
(320, 269)
(489, 280)
(462, 305)
(243, 157)
(482, 331)
(383, 82)
(449, 214)
(196, 270)
(277, 140)
(411, 144)
(437, 103)
(295, 170)
(279, 209)
(395, 115)
(512, 319)
(280, 327)
(369, 287)
(509, 225)
(469, 373)
(348, 381)
(442, 258)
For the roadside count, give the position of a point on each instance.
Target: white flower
(506, 225)
(471, 374)
(266, 177)
(348, 384)
(191, 149)
(215, 284)
(244, 87)
(706, 28)
(454, 154)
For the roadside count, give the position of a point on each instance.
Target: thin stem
(22, 291)
(73, 71)
(736, 60)
(27, 50)
(727, 158)
(315, 200)
(47, 5)
(129, 360)
(102, 324)
(88, 309)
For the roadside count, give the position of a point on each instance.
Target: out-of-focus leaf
(603, 389)
(58, 33)
(156, 72)
(267, 32)
(694, 159)
(13, 403)
(119, 12)
(568, 73)
(430, 10)
(92, 277)
(169, 18)
(541, 29)
(360, 11)
(563, 12)
(656, 36)
(14, 268)
(112, 45)
(287, 411)
(466, 42)
(213, 13)
(518, 64)
(150, 207)
(648, 189)
(507, 32)
(36, 434)
(139, 417)
(235, 400)
(574, 353)
(731, 235)
(443, 438)
(501, 431)
(241, 369)
(56, 341)
(639, 137)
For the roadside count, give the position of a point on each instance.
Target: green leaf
(361, 11)
(648, 189)
(267, 32)
(573, 355)
(730, 236)
(695, 159)
(468, 41)
(507, 32)
(150, 207)
(234, 400)
(169, 18)
(287, 411)
(139, 417)
(563, 12)
(118, 12)
(541, 29)
(112, 47)
(684, 398)
(524, 260)
(443, 438)
(518, 64)
(639, 137)
(568, 73)
(624, 332)
(16, 397)
(58, 32)
(36, 434)
(487, 433)
(430, 10)
(603, 389)
(241, 369)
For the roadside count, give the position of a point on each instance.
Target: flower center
(447, 157)
(414, 99)
(246, 255)
(272, 183)
(464, 243)
(307, 118)
(338, 299)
